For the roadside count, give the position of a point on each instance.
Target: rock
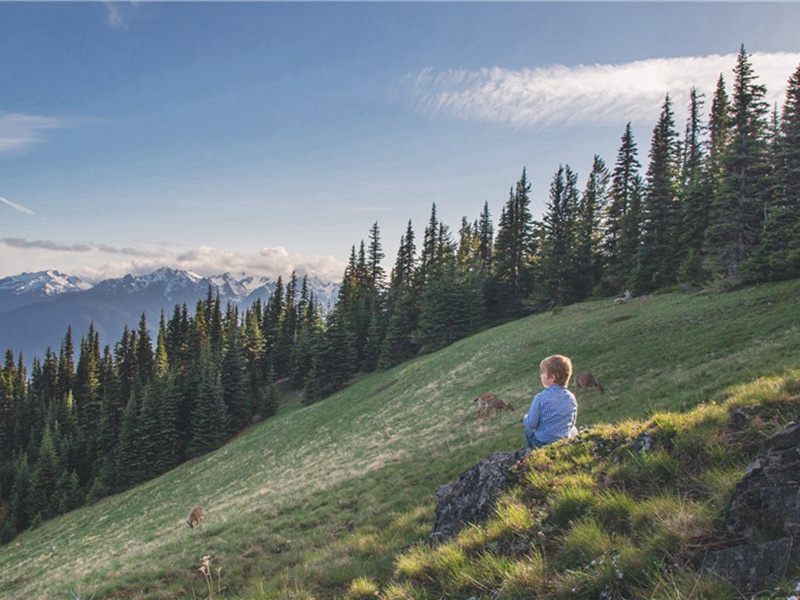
(472, 498)
(766, 503)
(762, 524)
(749, 567)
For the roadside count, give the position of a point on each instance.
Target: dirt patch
(384, 387)
(619, 319)
(534, 343)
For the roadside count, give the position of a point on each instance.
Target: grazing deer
(489, 403)
(587, 380)
(197, 515)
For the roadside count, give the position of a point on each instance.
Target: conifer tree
(778, 254)
(739, 205)
(130, 467)
(557, 256)
(235, 385)
(66, 364)
(656, 261)
(485, 235)
(695, 197)
(624, 214)
(511, 251)
(402, 305)
(590, 230)
(209, 419)
(45, 477)
(144, 353)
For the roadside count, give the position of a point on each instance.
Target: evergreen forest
(717, 205)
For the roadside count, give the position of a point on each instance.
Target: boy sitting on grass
(554, 410)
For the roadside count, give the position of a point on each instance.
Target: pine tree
(235, 385)
(130, 467)
(485, 235)
(511, 251)
(557, 268)
(144, 353)
(45, 477)
(778, 254)
(656, 261)
(590, 229)
(695, 195)
(739, 203)
(402, 308)
(209, 419)
(624, 215)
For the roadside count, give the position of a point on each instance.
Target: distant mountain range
(37, 308)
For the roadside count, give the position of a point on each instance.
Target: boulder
(762, 523)
(471, 499)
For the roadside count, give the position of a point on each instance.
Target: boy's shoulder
(555, 392)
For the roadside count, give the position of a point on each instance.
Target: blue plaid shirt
(552, 414)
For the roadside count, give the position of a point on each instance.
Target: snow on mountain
(37, 308)
(43, 284)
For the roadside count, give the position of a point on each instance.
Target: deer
(587, 380)
(197, 515)
(489, 403)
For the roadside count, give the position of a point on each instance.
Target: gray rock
(762, 523)
(749, 567)
(472, 498)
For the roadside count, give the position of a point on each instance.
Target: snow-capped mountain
(37, 308)
(33, 287)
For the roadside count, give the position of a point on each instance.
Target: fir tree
(778, 254)
(511, 251)
(624, 214)
(656, 264)
(557, 256)
(739, 204)
(590, 230)
(695, 195)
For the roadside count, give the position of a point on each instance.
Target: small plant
(362, 587)
(205, 569)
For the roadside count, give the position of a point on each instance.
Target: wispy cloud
(586, 94)
(18, 131)
(18, 207)
(118, 13)
(24, 244)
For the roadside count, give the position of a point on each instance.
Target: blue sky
(265, 137)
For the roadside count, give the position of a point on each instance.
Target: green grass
(319, 501)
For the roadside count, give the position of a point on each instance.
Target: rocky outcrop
(762, 524)
(472, 498)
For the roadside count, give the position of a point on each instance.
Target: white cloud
(87, 260)
(271, 262)
(20, 131)
(118, 13)
(587, 94)
(18, 207)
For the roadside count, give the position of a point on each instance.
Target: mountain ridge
(37, 308)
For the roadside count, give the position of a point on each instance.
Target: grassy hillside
(319, 496)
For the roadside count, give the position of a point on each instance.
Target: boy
(553, 411)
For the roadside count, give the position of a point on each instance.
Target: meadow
(319, 497)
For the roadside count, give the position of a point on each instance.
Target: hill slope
(320, 495)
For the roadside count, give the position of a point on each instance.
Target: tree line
(718, 202)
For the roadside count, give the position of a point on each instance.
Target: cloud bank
(587, 94)
(18, 131)
(205, 260)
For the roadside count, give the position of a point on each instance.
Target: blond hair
(558, 367)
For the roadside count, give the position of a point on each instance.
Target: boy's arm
(531, 420)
